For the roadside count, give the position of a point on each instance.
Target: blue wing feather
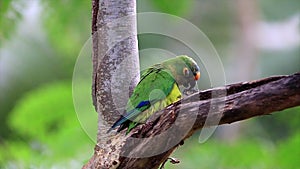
(143, 105)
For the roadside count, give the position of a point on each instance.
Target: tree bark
(115, 49)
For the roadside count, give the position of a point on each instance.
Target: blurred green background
(41, 39)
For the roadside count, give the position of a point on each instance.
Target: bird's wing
(156, 83)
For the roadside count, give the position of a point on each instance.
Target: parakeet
(158, 88)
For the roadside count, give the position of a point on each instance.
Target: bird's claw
(172, 160)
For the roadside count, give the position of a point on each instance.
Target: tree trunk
(115, 49)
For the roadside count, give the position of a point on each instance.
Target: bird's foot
(172, 160)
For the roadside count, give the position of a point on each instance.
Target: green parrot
(157, 89)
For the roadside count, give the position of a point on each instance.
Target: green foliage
(288, 152)
(47, 124)
(9, 17)
(43, 48)
(68, 24)
(292, 116)
(178, 7)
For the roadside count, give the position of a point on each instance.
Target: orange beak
(197, 76)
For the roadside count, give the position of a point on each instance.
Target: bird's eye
(186, 71)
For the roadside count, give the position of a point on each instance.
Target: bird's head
(185, 70)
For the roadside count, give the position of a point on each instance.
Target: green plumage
(158, 88)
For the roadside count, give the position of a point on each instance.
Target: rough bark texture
(115, 49)
(114, 36)
(243, 101)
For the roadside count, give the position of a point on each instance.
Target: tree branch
(179, 121)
